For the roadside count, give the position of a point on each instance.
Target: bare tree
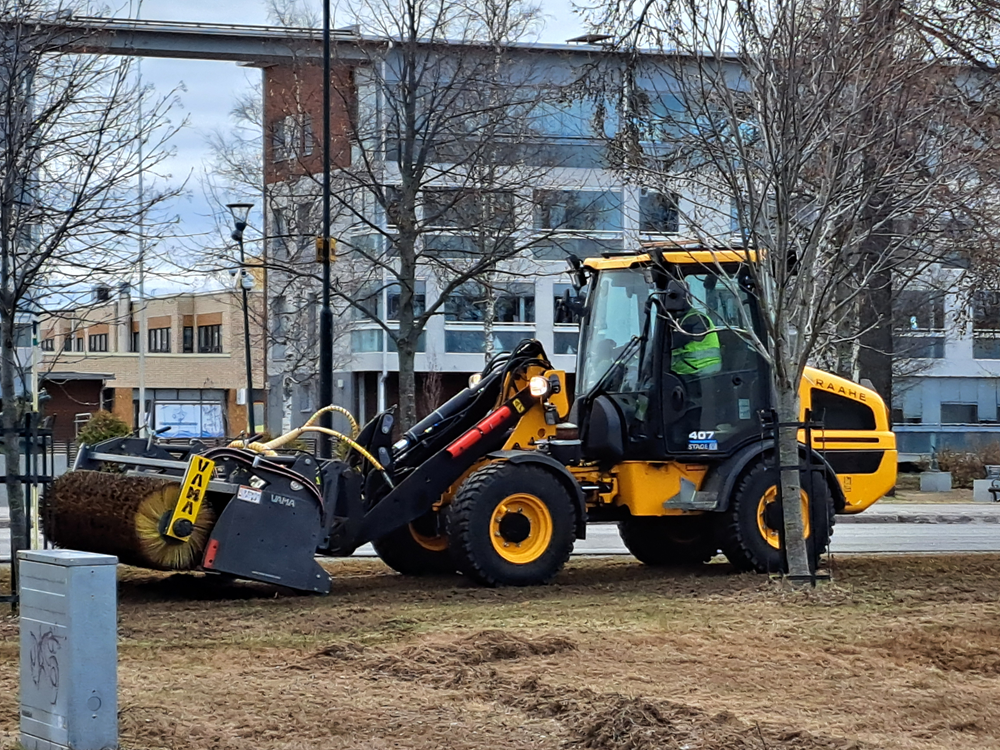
(829, 134)
(70, 214)
(439, 184)
(282, 257)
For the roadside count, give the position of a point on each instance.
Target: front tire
(511, 525)
(417, 549)
(665, 541)
(749, 528)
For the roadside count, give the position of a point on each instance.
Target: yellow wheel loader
(664, 436)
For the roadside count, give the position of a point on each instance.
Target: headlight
(539, 386)
(474, 379)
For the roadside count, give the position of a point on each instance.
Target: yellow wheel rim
(772, 536)
(437, 543)
(521, 528)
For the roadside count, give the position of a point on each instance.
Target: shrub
(103, 425)
(965, 466)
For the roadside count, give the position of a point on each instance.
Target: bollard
(69, 650)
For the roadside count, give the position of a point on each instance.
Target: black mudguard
(722, 480)
(561, 472)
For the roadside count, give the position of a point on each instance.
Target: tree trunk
(788, 455)
(407, 383)
(11, 443)
(489, 316)
(875, 355)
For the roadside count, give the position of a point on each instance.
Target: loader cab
(667, 366)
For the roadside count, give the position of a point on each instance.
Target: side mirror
(577, 274)
(675, 297)
(570, 309)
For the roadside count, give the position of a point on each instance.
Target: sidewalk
(881, 512)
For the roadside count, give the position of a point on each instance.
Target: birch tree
(834, 136)
(69, 209)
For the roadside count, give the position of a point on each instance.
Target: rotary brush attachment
(114, 514)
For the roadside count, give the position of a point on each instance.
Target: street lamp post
(326, 312)
(241, 212)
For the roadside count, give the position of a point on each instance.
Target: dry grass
(900, 652)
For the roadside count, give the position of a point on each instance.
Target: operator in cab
(695, 350)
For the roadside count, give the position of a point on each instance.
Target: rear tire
(665, 541)
(417, 549)
(748, 532)
(511, 525)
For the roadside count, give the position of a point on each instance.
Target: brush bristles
(164, 551)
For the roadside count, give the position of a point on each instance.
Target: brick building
(195, 374)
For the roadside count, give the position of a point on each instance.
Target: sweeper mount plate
(270, 510)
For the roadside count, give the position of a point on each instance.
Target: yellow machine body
(647, 488)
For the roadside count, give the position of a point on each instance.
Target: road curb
(942, 518)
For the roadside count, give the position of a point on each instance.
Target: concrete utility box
(69, 650)
(935, 481)
(986, 490)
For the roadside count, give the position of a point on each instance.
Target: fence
(37, 470)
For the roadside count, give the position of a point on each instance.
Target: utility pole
(325, 249)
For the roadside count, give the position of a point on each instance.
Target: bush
(966, 466)
(103, 425)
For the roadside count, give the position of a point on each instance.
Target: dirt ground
(897, 652)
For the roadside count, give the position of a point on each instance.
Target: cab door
(722, 404)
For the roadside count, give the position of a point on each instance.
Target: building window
(79, 343)
(48, 345)
(658, 213)
(419, 300)
(366, 340)
(578, 210)
(187, 341)
(513, 303)
(473, 341)
(458, 208)
(210, 339)
(918, 347)
(959, 413)
(159, 340)
(68, 343)
(918, 310)
(292, 137)
(133, 344)
(986, 347)
(564, 342)
(986, 311)
(98, 342)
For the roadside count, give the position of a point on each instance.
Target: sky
(207, 90)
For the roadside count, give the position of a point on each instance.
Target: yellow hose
(339, 409)
(255, 447)
(268, 448)
(333, 433)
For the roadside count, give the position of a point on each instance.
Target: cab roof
(678, 251)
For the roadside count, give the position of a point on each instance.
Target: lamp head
(240, 213)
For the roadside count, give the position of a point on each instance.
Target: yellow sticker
(193, 490)
(518, 405)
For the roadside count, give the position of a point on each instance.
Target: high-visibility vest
(701, 355)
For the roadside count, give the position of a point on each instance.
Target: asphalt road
(602, 539)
